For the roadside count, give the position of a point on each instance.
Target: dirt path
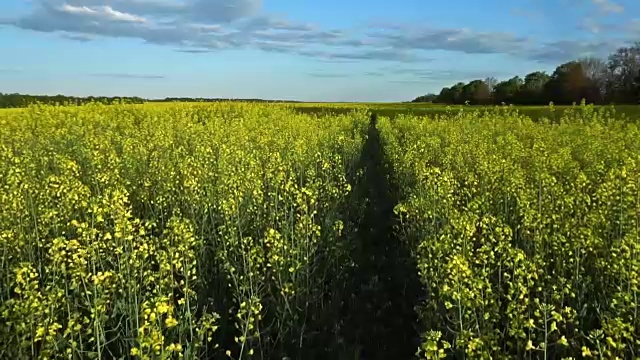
(381, 321)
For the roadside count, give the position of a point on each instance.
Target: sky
(330, 50)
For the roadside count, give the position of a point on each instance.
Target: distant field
(392, 110)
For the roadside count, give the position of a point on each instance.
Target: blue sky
(331, 50)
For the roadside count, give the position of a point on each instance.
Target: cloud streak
(459, 40)
(78, 37)
(479, 43)
(195, 51)
(409, 81)
(129, 76)
(427, 74)
(207, 26)
(100, 12)
(608, 6)
(207, 11)
(11, 70)
(569, 50)
(385, 54)
(328, 75)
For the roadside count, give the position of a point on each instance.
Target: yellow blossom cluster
(526, 233)
(132, 230)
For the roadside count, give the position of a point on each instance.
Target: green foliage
(233, 231)
(569, 83)
(526, 234)
(507, 91)
(24, 100)
(476, 93)
(170, 231)
(591, 79)
(532, 91)
(425, 98)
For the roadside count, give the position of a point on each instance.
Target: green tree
(599, 77)
(637, 101)
(507, 91)
(624, 65)
(569, 84)
(457, 93)
(445, 96)
(476, 92)
(532, 91)
(425, 98)
(491, 83)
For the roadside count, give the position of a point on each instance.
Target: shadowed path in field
(381, 321)
(369, 314)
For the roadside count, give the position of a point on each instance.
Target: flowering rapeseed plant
(526, 234)
(142, 230)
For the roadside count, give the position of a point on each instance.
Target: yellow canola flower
(170, 322)
(563, 341)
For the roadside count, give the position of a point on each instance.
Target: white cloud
(83, 10)
(206, 28)
(608, 6)
(120, 16)
(205, 11)
(565, 50)
(460, 40)
(101, 12)
(222, 10)
(78, 37)
(203, 26)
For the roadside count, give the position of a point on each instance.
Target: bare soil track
(381, 319)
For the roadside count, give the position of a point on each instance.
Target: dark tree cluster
(597, 81)
(188, 99)
(425, 98)
(22, 100)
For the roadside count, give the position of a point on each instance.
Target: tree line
(23, 100)
(598, 81)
